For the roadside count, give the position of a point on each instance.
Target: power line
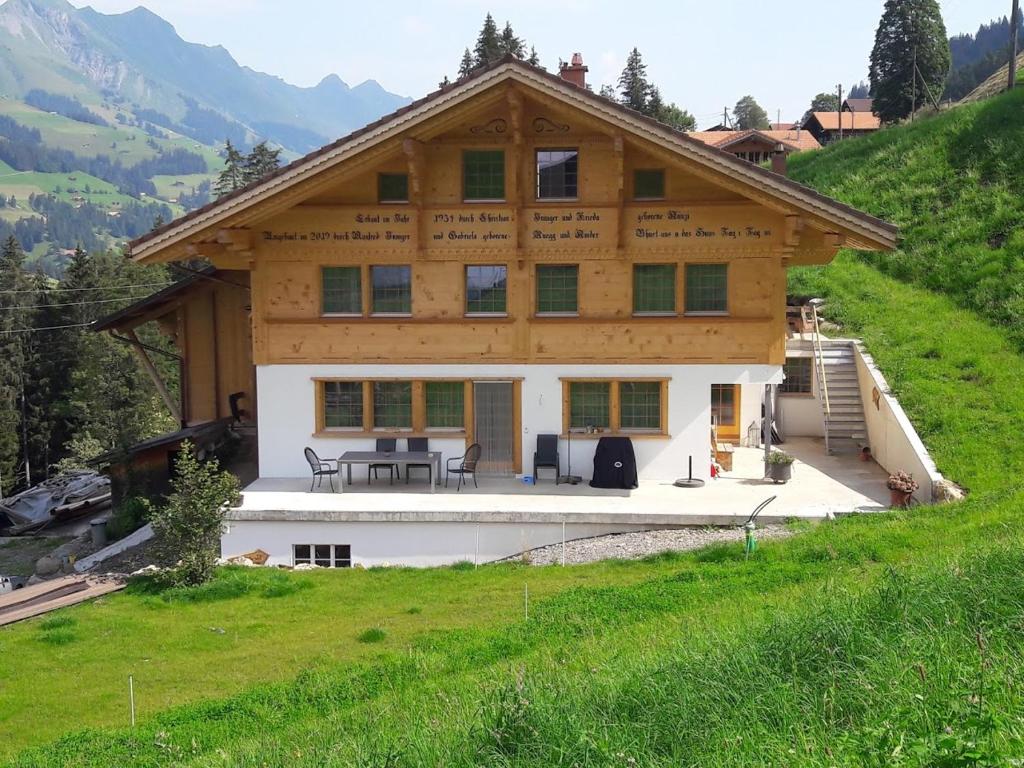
(49, 328)
(75, 303)
(98, 288)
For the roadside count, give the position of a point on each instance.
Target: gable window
(343, 404)
(483, 174)
(557, 289)
(557, 174)
(649, 184)
(590, 404)
(799, 376)
(392, 404)
(393, 187)
(391, 290)
(445, 406)
(707, 289)
(654, 289)
(341, 291)
(323, 555)
(486, 290)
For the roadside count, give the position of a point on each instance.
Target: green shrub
(372, 635)
(130, 515)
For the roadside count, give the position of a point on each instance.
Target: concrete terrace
(822, 485)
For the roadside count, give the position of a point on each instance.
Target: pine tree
(260, 161)
(749, 115)
(634, 90)
(860, 91)
(534, 59)
(909, 31)
(488, 48)
(233, 175)
(15, 319)
(510, 44)
(466, 65)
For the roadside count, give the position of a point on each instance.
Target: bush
(130, 515)
(189, 527)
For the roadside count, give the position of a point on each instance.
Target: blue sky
(704, 54)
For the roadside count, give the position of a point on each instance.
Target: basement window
(322, 555)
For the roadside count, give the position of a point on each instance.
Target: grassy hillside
(882, 640)
(955, 185)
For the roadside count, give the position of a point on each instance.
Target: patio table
(400, 458)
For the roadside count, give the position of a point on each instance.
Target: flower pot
(778, 473)
(900, 499)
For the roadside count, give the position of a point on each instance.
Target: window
(323, 555)
(649, 184)
(392, 405)
(589, 404)
(799, 376)
(557, 289)
(557, 174)
(445, 404)
(483, 174)
(723, 404)
(654, 289)
(707, 289)
(640, 405)
(393, 187)
(341, 291)
(486, 290)
(392, 290)
(343, 404)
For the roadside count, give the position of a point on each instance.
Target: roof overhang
(778, 192)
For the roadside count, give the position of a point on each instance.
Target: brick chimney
(779, 160)
(575, 73)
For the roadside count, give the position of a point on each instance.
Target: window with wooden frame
(707, 289)
(723, 405)
(557, 174)
(654, 289)
(322, 555)
(615, 406)
(799, 372)
(649, 184)
(445, 404)
(557, 289)
(483, 175)
(392, 407)
(342, 404)
(341, 290)
(393, 187)
(391, 290)
(486, 290)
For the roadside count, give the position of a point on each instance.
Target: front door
(493, 426)
(725, 411)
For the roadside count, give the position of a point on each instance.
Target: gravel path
(633, 546)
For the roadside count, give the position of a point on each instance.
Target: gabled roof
(795, 140)
(771, 189)
(852, 121)
(859, 105)
(143, 308)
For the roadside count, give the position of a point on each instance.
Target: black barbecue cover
(614, 463)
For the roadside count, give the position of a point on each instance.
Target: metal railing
(819, 364)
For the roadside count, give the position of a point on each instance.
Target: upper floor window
(341, 291)
(486, 290)
(654, 289)
(483, 174)
(707, 289)
(799, 376)
(649, 184)
(393, 187)
(391, 290)
(557, 289)
(557, 174)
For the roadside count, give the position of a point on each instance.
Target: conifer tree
(466, 65)
(260, 161)
(533, 59)
(510, 44)
(14, 321)
(488, 48)
(910, 31)
(634, 90)
(233, 175)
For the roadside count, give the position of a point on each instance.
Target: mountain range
(137, 60)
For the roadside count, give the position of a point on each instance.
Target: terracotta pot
(865, 454)
(899, 499)
(778, 473)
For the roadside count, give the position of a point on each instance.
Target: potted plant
(778, 466)
(901, 488)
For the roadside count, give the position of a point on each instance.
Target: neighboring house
(759, 146)
(510, 256)
(866, 106)
(825, 126)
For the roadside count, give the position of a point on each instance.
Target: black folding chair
(546, 456)
(320, 469)
(384, 444)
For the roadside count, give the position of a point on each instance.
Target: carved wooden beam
(619, 150)
(235, 239)
(835, 240)
(515, 112)
(206, 250)
(413, 151)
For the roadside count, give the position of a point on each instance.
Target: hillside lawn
(894, 639)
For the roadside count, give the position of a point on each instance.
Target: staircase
(845, 430)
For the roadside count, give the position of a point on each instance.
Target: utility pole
(1014, 23)
(839, 109)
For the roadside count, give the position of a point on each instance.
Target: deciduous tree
(825, 102)
(749, 115)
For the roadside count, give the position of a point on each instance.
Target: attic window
(649, 184)
(557, 174)
(483, 175)
(393, 187)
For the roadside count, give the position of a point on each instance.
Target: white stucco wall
(801, 415)
(287, 412)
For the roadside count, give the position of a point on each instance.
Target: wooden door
(725, 411)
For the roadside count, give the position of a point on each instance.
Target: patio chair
(546, 456)
(320, 469)
(383, 444)
(465, 465)
(417, 445)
